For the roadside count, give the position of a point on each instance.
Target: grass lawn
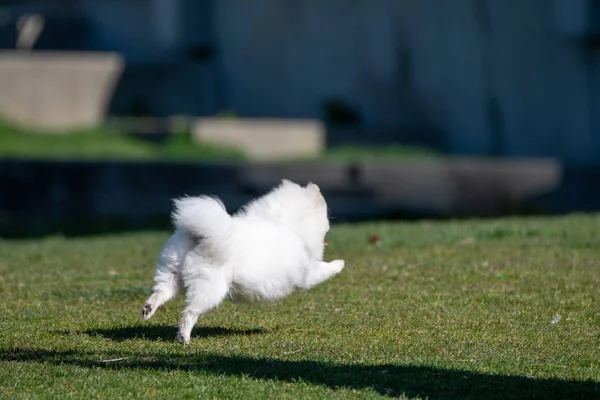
(103, 144)
(502, 309)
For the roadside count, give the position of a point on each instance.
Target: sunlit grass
(501, 309)
(107, 144)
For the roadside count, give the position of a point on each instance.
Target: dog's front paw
(184, 332)
(147, 311)
(182, 339)
(338, 265)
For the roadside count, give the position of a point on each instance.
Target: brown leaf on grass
(375, 239)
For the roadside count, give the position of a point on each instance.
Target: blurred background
(396, 108)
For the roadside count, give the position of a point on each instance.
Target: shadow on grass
(165, 332)
(386, 379)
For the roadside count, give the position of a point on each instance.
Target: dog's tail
(203, 217)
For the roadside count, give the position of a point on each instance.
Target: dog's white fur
(273, 246)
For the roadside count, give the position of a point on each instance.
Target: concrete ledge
(34, 194)
(447, 187)
(263, 139)
(57, 91)
(463, 187)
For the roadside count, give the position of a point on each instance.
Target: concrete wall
(469, 76)
(156, 38)
(36, 195)
(494, 77)
(124, 26)
(286, 59)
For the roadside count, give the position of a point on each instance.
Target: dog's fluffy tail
(203, 217)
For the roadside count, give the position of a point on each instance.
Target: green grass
(106, 144)
(436, 310)
(113, 143)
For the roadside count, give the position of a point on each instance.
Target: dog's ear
(315, 192)
(311, 187)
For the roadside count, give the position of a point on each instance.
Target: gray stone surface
(57, 91)
(38, 194)
(264, 139)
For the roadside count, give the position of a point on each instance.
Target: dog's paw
(184, 331)
(152, 304)
(182, 340)
(337, 265)
(146, 311)
(149, 308)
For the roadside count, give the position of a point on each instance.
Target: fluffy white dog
(273, 246)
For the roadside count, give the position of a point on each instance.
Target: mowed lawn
(496, 309)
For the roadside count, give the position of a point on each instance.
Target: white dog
(273, 246)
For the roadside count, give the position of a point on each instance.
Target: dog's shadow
(166, 333)
(390, 379)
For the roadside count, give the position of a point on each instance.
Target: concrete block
(419, 185)
(495, 186)
(57, 91)
(264, 139)
(463, 187)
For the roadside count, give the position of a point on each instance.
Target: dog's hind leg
(205, 289)
(166, 287)
(167, 279)
(321, 271)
